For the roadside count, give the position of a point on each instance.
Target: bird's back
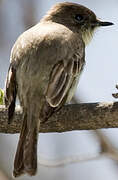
(40, 48)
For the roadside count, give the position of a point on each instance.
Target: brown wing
(10, 92)
(61, 79)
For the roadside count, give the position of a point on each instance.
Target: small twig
(68, 160)
(3, 176)
(107, 148)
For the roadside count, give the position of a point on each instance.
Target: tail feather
(18, 162)
(26, 154)
(30, 152)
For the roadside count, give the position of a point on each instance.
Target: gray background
(97, 83)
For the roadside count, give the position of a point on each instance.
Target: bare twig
(68, 160)
(86, 116)
(107, 148)
(3, 176)
(28, 13)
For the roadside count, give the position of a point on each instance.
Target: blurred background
(97, 84)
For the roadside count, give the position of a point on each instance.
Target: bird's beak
(102, 23)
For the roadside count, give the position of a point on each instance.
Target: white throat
(87, 36)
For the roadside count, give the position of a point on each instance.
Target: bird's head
(76, 17)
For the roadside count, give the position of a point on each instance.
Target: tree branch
(85, 116)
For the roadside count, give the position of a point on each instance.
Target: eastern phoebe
(45, 66)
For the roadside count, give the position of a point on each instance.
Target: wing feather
(61, 79)
(10, 92)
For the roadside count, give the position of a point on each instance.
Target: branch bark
(85, 116)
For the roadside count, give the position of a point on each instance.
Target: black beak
(100, 23)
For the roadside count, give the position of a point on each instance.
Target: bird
(45, 66)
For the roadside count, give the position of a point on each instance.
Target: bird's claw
(115, 95)
(116, 86)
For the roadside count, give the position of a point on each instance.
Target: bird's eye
(79, 17)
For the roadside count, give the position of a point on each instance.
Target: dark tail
(11, 92)
(26, 154)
